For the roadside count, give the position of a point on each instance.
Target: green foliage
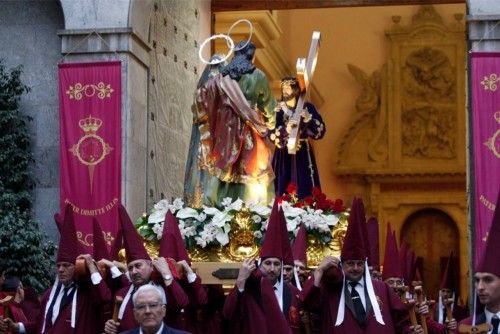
(24, 251)
(22, 246)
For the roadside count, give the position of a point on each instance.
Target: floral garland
(206, 226)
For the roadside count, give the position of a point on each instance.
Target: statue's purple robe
(299, 168)
(325, 300)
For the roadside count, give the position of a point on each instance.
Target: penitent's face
(140, 271)
(394, 282)
(271, 269)
(488, 290)
(65, 272)
(353, 269)
(287, 273)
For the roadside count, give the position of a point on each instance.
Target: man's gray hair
(149, 287)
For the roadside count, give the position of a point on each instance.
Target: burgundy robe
(291, 307)
(89, 299)
(435, 327)
(185, 318)
(30, 304)
(325, 300)
(17, 315)
(256, 309)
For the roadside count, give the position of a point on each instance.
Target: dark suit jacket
(166, 330)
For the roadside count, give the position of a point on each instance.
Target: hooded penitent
(356, 247)
(173, 246)
(132, 241)
(68, 243)
(490, 262)
(299, 248)
(100, 247)
(392, 267)
(276, 244)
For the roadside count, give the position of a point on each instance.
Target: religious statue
(240, 111)
(299, 168)
(196, 178)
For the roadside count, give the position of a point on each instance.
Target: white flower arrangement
(206, 226)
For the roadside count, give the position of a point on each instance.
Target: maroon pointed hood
(177, 249)
(100, 246)
(449, 279)
(354, 247)
(299, 248)
(116, 246)
(373, 240)
(69, 247)
(402, 257)
(276, 242)
(411, 264)
(134, 246)
(490, 262)
(392, 267)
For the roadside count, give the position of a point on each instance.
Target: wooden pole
(116, 308)
(420, 299)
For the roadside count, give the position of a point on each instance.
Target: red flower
(321, 197)
(291, 188)
(316, 191)
(309, 200)
(285, 197)
(298, 205)
(322, 205)
(338, 205)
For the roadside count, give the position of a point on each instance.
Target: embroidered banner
(485, 71)
(90, 146)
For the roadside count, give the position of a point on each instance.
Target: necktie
(495, 321)
(444, 315)
(50, 311)
(358, 305)
(69, 291)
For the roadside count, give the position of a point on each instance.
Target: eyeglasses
(143, 307)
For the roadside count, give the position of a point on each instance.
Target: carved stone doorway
(432, 234)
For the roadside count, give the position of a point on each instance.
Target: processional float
(219, 264)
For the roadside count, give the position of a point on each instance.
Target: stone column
(483, 21)
(484, 25)
(98, 30)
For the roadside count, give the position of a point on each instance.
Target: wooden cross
(305, 71)
(420, 299)
(410, 305)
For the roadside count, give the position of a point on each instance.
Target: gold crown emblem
(90, 124)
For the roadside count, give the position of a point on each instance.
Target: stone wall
(29, 38)
(174, 72)
(157, 41)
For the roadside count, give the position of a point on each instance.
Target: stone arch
(432, 234)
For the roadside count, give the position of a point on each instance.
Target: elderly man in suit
(149, 310)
